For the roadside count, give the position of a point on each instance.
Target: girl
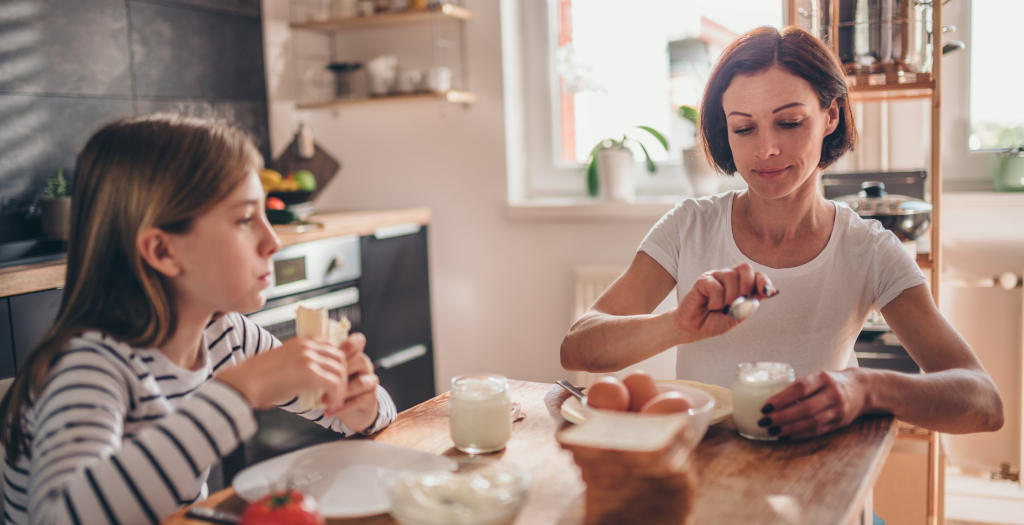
(148, 376)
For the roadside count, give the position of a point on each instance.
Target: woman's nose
(767, 145)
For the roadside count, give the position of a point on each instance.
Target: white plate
(348, 479)
(574, 412)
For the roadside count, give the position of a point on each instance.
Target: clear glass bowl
(488, 495)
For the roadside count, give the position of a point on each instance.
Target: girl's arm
(256, 340)
(83, 468)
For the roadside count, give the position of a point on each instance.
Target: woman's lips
(769, 172)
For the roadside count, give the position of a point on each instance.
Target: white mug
(439, 79)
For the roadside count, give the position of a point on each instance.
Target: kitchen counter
(823, 480)
(27, 278)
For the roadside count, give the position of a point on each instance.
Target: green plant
(627, 142)
(56, 186)
(690, 113)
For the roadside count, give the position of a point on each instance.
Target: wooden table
(825, 480)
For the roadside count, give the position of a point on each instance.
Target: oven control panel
(315, 264)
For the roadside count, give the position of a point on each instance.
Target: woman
(776, 111)
(149, 376)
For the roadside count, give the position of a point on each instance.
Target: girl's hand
(360, 409)
(298, 365)
(700, 314)
(815, 405)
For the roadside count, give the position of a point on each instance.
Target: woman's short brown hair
(799, 53)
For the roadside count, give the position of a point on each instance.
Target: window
(593, 69)
(996, 104)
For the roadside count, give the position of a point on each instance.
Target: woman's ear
(155, 248)
(832, 117)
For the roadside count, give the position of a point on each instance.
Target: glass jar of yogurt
(755, 383)
(480, 413)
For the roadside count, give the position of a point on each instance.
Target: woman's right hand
(700, 314)
(298, 365)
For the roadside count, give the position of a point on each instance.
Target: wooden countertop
(825, 480)
(44, 276)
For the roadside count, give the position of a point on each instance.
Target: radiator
(588, 282)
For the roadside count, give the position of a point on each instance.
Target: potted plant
(702, 177)
(55, 207)
(610, 163)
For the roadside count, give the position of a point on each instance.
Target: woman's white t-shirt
(822, 305)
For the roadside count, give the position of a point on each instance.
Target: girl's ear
(155, 248)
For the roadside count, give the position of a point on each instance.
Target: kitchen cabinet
(32, 314)
(395, 304)
(6, 340)
(455, 86)
(896, 84)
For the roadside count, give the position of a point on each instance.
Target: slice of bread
(314, 323)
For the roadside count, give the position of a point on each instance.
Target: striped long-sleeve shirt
(122, 435)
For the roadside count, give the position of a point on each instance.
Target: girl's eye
(245, 220)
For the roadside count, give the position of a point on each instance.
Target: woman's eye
(742, 131)
(791, 125)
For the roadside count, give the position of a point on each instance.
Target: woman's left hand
(816, 404)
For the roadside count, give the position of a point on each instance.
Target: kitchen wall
(501, 286)
(67, 66)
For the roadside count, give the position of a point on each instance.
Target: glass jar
(755, 383)
(480, 413)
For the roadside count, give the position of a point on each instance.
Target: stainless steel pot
(877, 36)
(907, 217)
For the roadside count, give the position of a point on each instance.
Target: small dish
(487, 495)
(576, 412)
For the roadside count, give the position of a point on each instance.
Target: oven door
(278, 317)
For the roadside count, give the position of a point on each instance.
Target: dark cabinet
(32, 314)
(394, 296)
(6, 340)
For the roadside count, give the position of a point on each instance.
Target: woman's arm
(954, 395)
(620, 329)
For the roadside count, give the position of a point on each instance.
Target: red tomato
(286, 507)
(273, 203)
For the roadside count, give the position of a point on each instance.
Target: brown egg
(668, 402)
(608, 393)
(641, 389)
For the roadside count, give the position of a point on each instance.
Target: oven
(876, 345)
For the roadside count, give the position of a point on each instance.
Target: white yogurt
(480, 413)
(755, 383)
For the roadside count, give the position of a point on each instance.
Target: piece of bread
(313, 323)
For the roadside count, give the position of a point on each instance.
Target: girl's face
(776, 128)
(225, 257)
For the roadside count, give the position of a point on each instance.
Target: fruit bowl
(291, 197)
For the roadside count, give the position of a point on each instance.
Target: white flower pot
(703, 178)
(615, 168)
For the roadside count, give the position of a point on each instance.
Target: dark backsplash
(68, 66)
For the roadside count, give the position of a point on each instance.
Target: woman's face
(776, 128)
(225, 257)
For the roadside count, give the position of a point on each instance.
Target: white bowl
(489, 495)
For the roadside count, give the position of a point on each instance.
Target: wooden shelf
(924, 261)
(453, 96)
(868, 88)
(446, 11)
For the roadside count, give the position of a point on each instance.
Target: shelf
(453, 96)
(446, 11)
(924, 261)
(878, 87)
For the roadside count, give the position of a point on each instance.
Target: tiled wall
(67, 66)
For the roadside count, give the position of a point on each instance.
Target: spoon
(571, 389)
(742, 308)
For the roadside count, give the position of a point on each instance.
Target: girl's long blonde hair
(159, 171)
